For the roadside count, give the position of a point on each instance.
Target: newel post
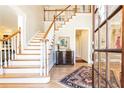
(19, 40)
(75, 8)
(42, 57)
(54, 22)
(1, 61)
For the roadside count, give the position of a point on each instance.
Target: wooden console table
(64, 57)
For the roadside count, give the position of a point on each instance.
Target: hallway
(57, 73)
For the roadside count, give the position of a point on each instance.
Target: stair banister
(46, 46)
(1, 63)
(19, 40)
(4, 54)
(7, 50)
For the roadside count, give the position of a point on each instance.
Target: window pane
(96, 79)
(102, 13)
(96, 61)
(114, 27)
(102, 69)
(96, 65)
(114, 72)
(96, 20)
(103, 37)
(111, 8)
(96, 40)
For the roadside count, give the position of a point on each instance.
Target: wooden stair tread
(21, 75)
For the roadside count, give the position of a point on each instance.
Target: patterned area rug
(82, 78)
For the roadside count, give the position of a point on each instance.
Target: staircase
(33, 63)
(25, 68)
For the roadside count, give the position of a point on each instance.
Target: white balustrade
(47, 61)
(44, 52)
(42, 57)
(5, 54)
(8, 50)
(12, 48)
(15, 46)
(1, 62)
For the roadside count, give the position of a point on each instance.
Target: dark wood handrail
(54, 21)
(10, 36)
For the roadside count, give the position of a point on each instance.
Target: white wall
(8, 18)
(81, 21)
(33, 19)
(8, 21)
(46, 25)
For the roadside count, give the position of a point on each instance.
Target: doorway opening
(81, 45)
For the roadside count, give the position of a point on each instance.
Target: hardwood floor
(57, 73)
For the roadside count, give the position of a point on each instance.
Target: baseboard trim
(81, 61)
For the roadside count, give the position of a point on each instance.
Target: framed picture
(64, 42)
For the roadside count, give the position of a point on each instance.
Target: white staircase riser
(31, 51)
(34, 44)
(25, 63)
(35, 40)
(25, 80)
(28, 57)
(40, 36)
(22, 70)
(33, 47)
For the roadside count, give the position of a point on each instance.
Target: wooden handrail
(1, 39)
(54, 21)
(63, 11)
(10, 36)
(49, 28)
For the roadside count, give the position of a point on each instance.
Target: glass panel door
(108, 46)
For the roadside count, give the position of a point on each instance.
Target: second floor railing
(66, 15)
(50, 13)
